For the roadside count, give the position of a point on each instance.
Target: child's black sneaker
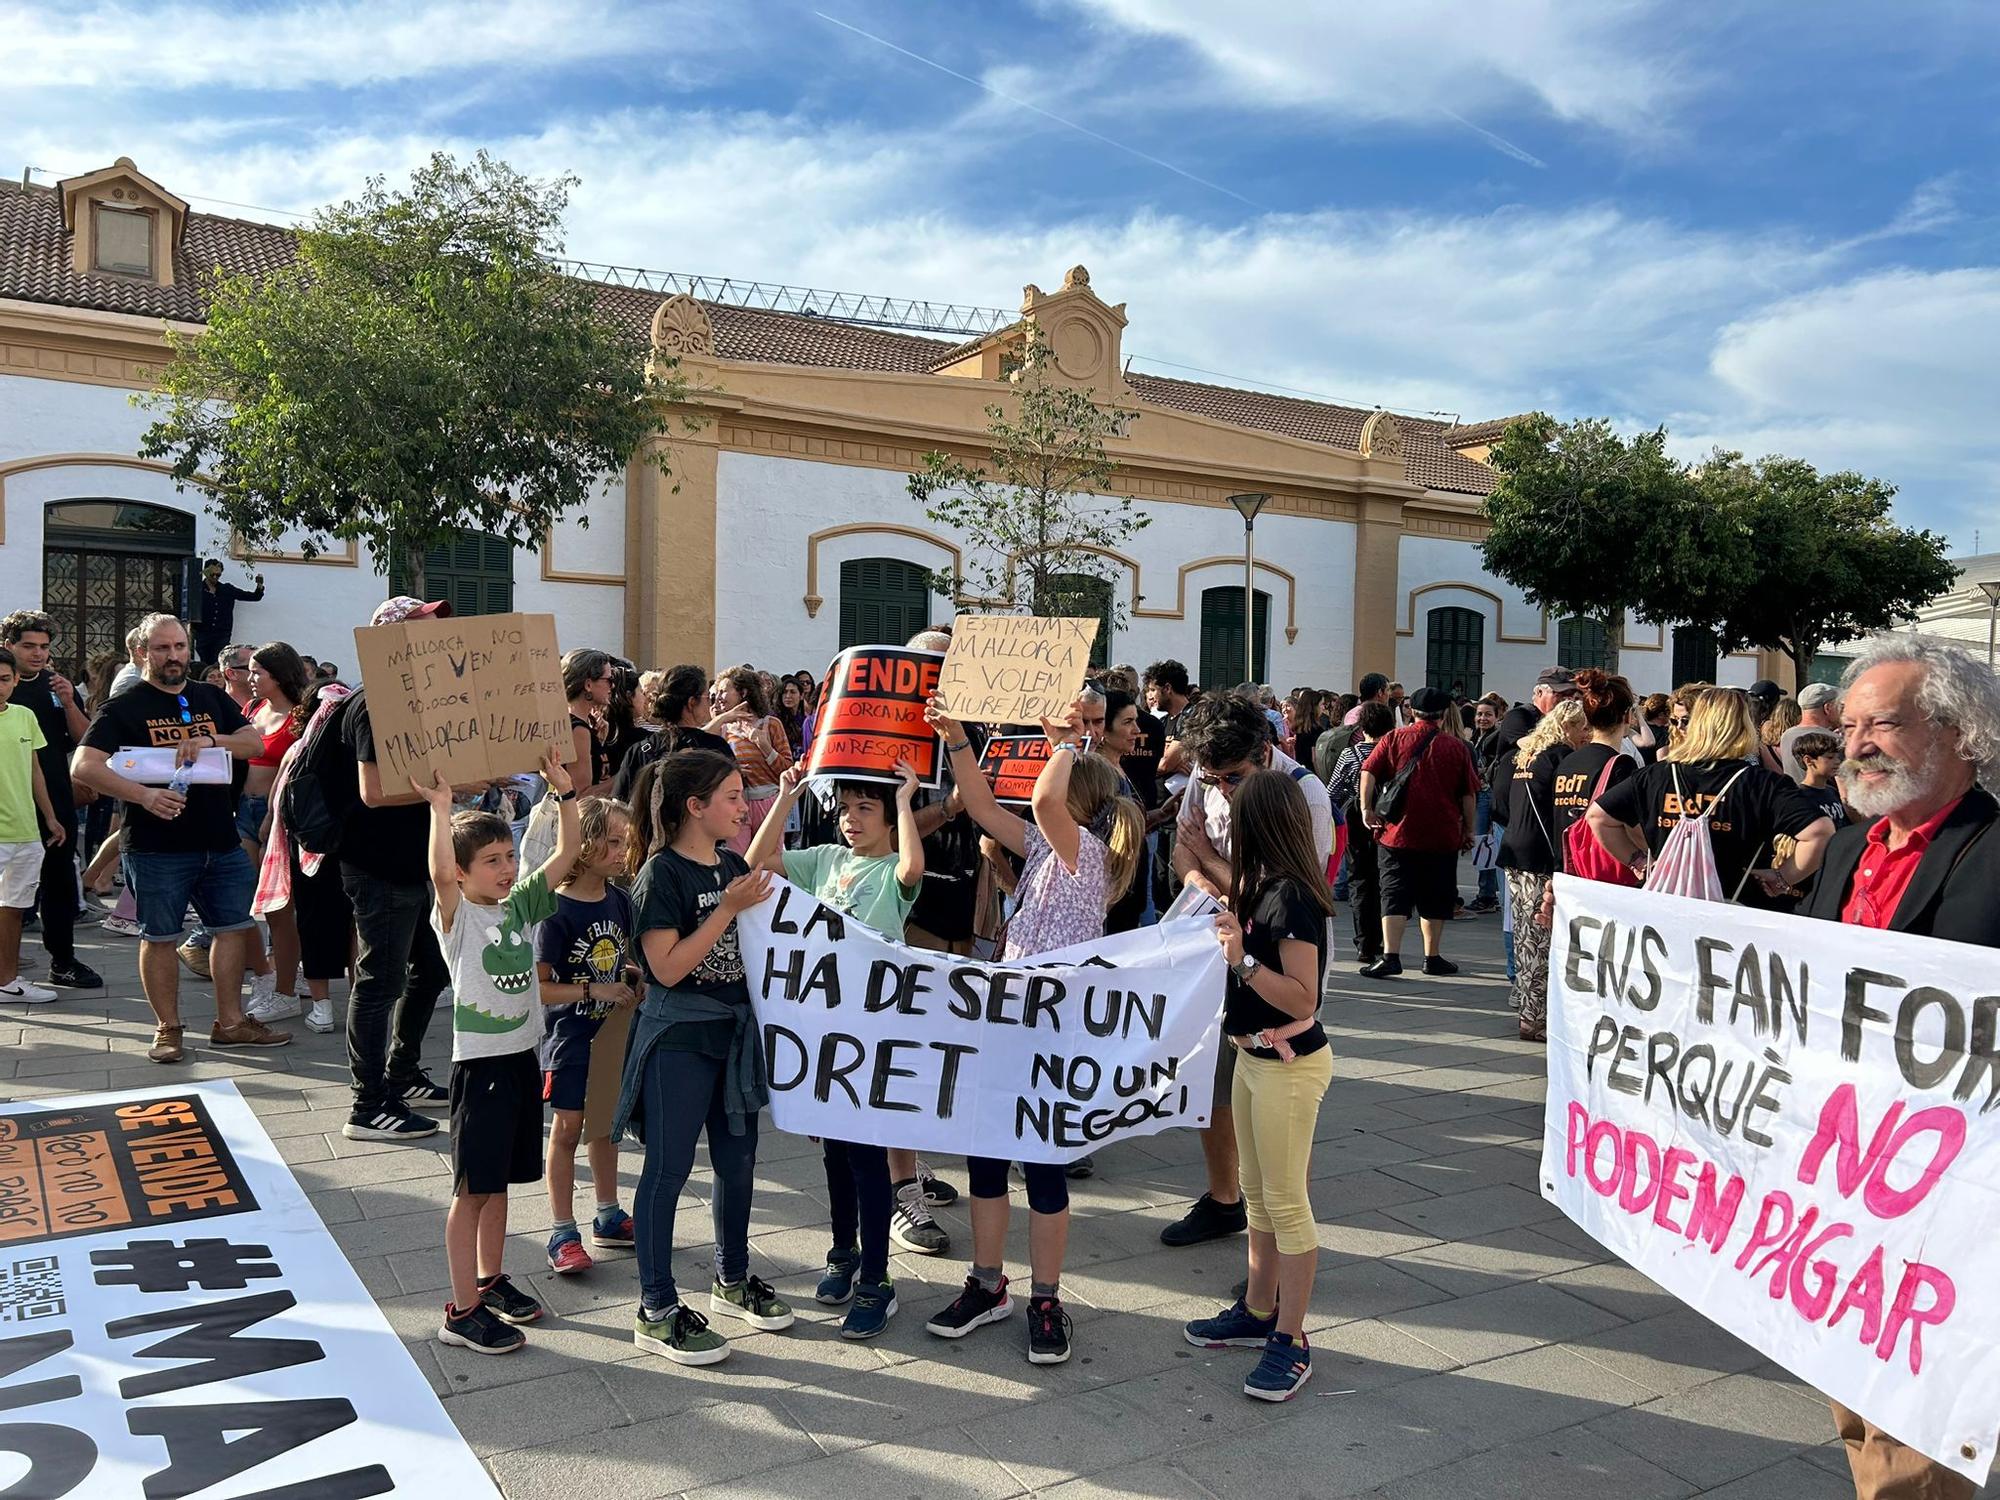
(478, 1330)
(836, 1287)
(1048, 1332)
(505, 1300)
(974, 1307)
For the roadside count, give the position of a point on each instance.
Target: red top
(277, 742)
(1884, 874)
(1431, 805)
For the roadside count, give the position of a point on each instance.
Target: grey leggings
(681, 1097)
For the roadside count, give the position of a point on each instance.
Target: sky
(1768, 227)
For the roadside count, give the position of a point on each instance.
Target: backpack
(1390, 800)
(1329, 747)
(323, 785)
(1584, 856)
(1685, 865)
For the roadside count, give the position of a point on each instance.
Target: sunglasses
(187, 714)
(1229, 779)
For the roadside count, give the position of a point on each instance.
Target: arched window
(1455, 653)
(106, 565)
(1222, 637)
(1583, 642)
(883, 601)
(1694, 655)
(1084, 596)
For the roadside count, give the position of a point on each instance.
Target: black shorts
(496, 1123)
(1418, 882)
(566, 1086)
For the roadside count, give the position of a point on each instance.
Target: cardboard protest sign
(1043, 1060)
(1014, 669)
(477, 697)
(871, 714)
(182, 1322)
(1012, 764)
(1791, 1125)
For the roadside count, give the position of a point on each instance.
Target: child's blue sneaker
(838, 1284)
(874, 1305)
(1285, 1367)
(612, 1230)
(1232, 1328)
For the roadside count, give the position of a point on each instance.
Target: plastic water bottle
(178, 782)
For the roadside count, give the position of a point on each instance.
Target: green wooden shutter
(1455, 650)
(1694, 655)
(1583, 642)
(472, 571)
(883, 601)
(1222, 637)
(1085, 596)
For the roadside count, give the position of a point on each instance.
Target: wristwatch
(1244, 970)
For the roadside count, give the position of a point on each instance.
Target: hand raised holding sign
(555, 773)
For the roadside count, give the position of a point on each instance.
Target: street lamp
(1247, 506)
(1991, 589)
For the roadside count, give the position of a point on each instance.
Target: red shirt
(1431, 804)
(1883, 874)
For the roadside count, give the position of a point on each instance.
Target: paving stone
(1616, 1287)
(1794, 1479)
(1574, 1461)
(709, 1445)
(569, 1403)
(1504, 1321)
(887, 1471)
(1470, 1214)
(1669, 1354)
(1506, 1400)
(1720, 1431)
(1158, 1480)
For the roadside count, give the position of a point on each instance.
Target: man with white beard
(1922, 724)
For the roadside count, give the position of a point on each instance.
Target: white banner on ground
(175, 1319)
(1046, 1059)
(1790, 1126)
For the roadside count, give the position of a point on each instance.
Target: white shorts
(20, 873)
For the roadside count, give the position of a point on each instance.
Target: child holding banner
(874, 877)
(1081, 852)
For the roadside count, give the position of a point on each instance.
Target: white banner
(1043, 1060)
(175, 1320)
(1788, 1125)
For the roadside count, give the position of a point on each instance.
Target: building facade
(786, 530)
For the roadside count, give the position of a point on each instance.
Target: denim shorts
(219, 884)
(250, 817)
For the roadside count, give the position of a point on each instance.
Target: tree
(1585, 522)
(423, 366)
(1036, 510)
(1824, 561)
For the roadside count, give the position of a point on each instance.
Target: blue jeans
(683, 1097)
(218, 882)
(1489, 880)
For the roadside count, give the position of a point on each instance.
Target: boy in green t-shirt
(874, 878)
(23, 796)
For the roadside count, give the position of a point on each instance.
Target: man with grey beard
(1921, 720)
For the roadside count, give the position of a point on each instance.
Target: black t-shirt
(674, 891)
(390, 843)
(1531, 828)
(1828, 798)
(149, 715)
(34, 693)
(1142, 766)
(1756, 809)
(600, 759)
(1124, 914)
(1279, 909)
(1577, 777)
(657, 744)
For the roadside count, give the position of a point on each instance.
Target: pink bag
(1584, 856)
(1685, 865)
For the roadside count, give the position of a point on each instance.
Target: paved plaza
(1467, 1340)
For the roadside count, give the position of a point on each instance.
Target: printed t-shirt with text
(1761, 805)
(149, 715)
(491, 955)
(584, 942)
(861, 886)
(20, 738)
(676, 892)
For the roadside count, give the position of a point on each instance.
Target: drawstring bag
(1584, 856)
(1685, 865)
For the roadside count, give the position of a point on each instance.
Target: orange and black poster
(1013, 763)
(871, 715)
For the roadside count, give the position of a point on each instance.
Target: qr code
(31, 1289)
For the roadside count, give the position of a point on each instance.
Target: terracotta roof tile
(1474, 433)
(35, 267)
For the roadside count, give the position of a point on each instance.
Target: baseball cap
(1817, 694)
(403, 607)
(1562, 679)
(1429, 700)
(1763, 687)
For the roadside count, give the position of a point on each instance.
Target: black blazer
(1955, 893)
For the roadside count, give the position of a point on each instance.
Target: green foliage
(1035, 513)
(422, 367)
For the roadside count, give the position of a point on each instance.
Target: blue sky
(1767, 226)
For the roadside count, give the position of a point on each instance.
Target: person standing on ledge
(213, 611)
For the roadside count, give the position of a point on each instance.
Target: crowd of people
(583, 918)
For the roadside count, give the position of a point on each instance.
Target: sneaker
(499, 1296)
(1484, 906)
(166, 1046)
(1083, 1166)
(874, 1305)
(75, 975)
(911, 1224)
(1048, 1332)
(392, 1122)
(421, 1089)
(319, 1017)
(613, 1230)
(937, 1192)
(974, 1307)
(123, 926)
(20, 992)
(1388, 966)
(87, 916)
(752, 1300)
(479, 1331)
(247, 1033)
(682, 1335)
(1206, 1220)
(836, 1287)
(195, 959)
(264, 1003)
(1284, 1368)
(1438, 964)
(567, 1257)
(1232, 1328)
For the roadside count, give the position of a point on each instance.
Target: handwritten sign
(478, 697)
(1013, 763)
(1014, 669)
(1791, 1125)
(871, 714)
